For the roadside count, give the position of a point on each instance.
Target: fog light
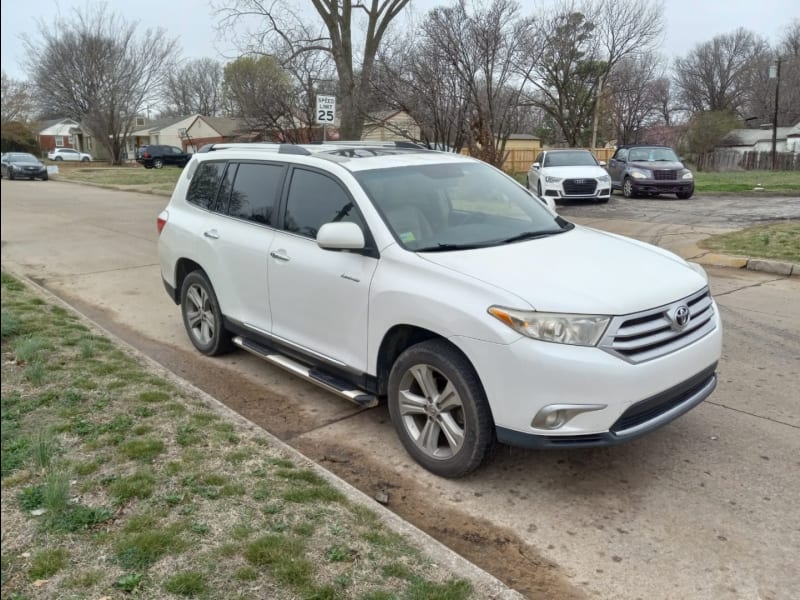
(554, 416)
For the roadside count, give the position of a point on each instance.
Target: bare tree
(16, 103)
(97, 70)
(714, 75)
(194, 87)
(663, 97)
(354, 66)
(261, 93)
(483, 46)
(633, 96)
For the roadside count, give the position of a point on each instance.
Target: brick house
(61, 133)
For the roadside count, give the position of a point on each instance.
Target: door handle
(212, 233)
(279, 256)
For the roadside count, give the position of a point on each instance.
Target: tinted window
(314, 200)
(255, 192)
(622, 154)
(204, 185)
(176, 150)
(577, 158)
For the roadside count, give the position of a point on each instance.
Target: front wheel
(439, 409)
(84, 159)
(685, 195)
(202, 316)
(627, 188)
(45, 177)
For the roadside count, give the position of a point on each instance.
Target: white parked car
(438, 283)
(571, 174)
(68, 154)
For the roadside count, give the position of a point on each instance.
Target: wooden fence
(733, 160)
(519, 160)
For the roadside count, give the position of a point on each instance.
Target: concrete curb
(485, 585)
(704, 257)
(115, 188)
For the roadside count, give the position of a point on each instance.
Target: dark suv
(155, 156)
(649, 170)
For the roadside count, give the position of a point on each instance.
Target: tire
(57, 158)
(45, 177)
(417, 381)
(10, 174)
(84, 159)
(148, 166)
(602, 200)
(627, 188)
(539, 188)
(158, 163)
(202, 317)
(685, 195)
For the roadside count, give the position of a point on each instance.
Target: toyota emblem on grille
(680, 317)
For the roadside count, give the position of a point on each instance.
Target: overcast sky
(688, 22)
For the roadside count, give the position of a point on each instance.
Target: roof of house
(522, 136)
(158, 124)
(795, 131)
(750, 137)
(226, 126)
(66, 124)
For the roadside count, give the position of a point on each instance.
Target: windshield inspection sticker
(408, 236)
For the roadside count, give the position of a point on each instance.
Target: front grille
(649, 409)
(649, 334)
(580, 187)
(665, 175)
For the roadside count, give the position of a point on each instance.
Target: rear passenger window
(255, 192)
(205, 183)
(314, 200)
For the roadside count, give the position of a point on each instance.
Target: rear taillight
(161, 221)
(146, 154)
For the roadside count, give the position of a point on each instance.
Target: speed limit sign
(326, 109)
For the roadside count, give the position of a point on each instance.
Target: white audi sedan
(570, 174)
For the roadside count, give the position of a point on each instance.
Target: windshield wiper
(446, 247)
(531, 235)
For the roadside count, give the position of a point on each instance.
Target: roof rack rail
(370, 144)
(268, 146)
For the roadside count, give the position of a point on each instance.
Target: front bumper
(523, 377)
(29, 172)
(653, 186)
(602, 191)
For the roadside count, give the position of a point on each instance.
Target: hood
(579, 271)
(575, 172)
(657, 165)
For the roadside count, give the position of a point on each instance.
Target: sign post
(326, 113)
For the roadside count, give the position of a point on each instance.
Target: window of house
(59, 141)
(205, 184)
(255, 192)
(88, 143)
(315, 199)
(139, 121)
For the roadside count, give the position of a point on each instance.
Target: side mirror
(536, 165)
(340, 236)
(602, 163)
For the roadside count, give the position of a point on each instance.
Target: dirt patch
(495, 549)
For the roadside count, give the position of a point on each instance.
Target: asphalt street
(703, 508)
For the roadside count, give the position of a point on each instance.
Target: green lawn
(129, 178)
(117, 483)
(780, 241)
(745, 181)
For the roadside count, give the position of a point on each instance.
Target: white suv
(68, 154)
(439, 283)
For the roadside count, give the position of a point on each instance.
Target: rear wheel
(439, 409)
(84, 159)
(627, 188)
(202, 316)
(158, 163)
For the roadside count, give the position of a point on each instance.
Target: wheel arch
(183, 267)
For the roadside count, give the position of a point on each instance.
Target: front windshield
(652, 155)
(22, 158)
(456, 206)
(577, 158)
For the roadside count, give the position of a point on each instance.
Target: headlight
(551, 179)
(604, 179)
(577, 330)
(640, 174)
(687, 174)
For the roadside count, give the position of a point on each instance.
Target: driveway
(703, 508)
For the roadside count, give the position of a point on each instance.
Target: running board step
(315, 376)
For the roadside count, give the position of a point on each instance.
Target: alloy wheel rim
(199, 314)
(432, 412)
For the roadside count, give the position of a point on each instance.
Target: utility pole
(775, 70)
